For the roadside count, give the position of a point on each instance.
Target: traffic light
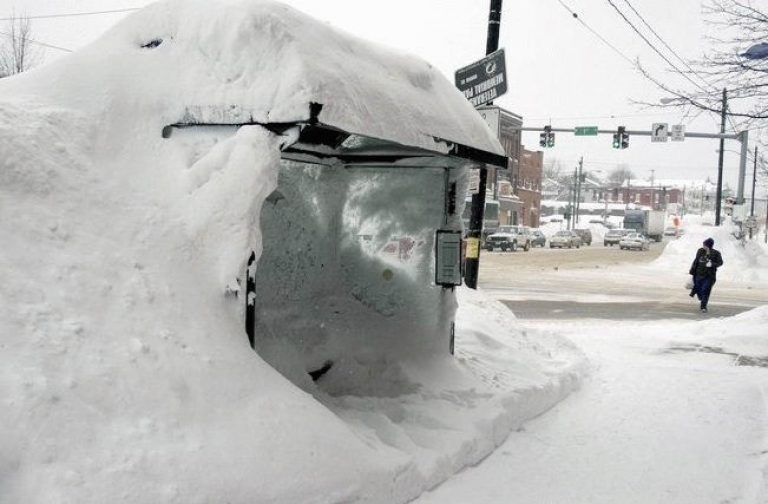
(547, 138)
(621, 138)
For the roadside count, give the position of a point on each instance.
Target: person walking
(704, 271)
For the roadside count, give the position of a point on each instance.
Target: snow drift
(743, 261)
(126, 374)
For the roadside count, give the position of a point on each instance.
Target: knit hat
(709, 243)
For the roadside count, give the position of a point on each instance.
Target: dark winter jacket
(699, 267)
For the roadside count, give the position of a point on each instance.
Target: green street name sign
(585, 131)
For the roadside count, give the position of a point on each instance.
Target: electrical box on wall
(448, 258)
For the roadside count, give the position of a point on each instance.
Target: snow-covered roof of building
(668, 183)
(261, 61)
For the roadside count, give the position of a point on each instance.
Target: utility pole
(575, 191)
(568, 210)
(719, 195)
(578, 191)
(754, 180)
(472, 262)
(653, 192)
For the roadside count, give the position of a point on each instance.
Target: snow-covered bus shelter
(362, 234)
(140, 175)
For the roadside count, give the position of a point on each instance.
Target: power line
(684, 62)
(611, 116)
(37, 42)
(688, 66)
(577, 18)
(644, 73)
(71, 14)
(652, 46)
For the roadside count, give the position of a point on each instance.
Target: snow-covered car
(538, 239)
(509, 238)
(565, 239)
(614, 236)
(634, 241)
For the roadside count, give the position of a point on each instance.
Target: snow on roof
(668, 183)
(124, 353)
(261, 60)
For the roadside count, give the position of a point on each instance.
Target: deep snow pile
(125, 372)
(743, 261)
(675, 412)
(743, 334)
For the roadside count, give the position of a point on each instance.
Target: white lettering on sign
(488, 84)
(484, 86)
(485, 97)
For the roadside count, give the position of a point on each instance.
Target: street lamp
(756, 52)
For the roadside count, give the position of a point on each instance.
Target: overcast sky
(558, 71)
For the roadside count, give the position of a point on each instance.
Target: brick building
(506, 125)
(527, 183)
(657, 197)
(518, 189)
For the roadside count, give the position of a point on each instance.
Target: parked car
(634, 241)
(537, 238)
(596, 221)
(509, 238)
(563, 239)
(614, 236)
(585, 235)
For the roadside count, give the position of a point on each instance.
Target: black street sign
(485, 80)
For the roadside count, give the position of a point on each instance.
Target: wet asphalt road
(602, 283)
(649, 310)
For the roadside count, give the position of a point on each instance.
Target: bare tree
(557, 178)
(618, 176)
(16, 51)
(554, 169)
(741, 25)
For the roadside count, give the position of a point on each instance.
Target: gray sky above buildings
(558, 71)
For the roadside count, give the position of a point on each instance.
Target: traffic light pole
(727, 136)
(742, 137)
(474, 236)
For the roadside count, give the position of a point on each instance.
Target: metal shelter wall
(345, 240)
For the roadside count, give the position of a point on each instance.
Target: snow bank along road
(674, 410)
